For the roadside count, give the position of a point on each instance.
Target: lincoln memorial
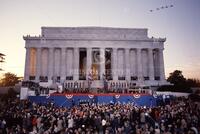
(76, 56)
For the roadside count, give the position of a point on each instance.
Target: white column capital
(51, 48)
(114, 49)
(76, 48)
(38, 48)
(63, 48)
(89, 48)
(127, 49)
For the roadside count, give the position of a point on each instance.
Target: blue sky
(180, 24)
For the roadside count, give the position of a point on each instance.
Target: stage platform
(69, 100)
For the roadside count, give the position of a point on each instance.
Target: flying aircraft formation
(161, 8)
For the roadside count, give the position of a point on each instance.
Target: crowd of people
(181, 116)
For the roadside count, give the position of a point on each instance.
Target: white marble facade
(59, 53)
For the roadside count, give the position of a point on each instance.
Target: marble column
(38, 64)
(51, 64)
(63, 63)
(88, 62)
(161, 65)
(127, 63)
(76, 64)
(114, 64)
(27, 64)
(151, 66)
(139, 65)
(102, 63)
